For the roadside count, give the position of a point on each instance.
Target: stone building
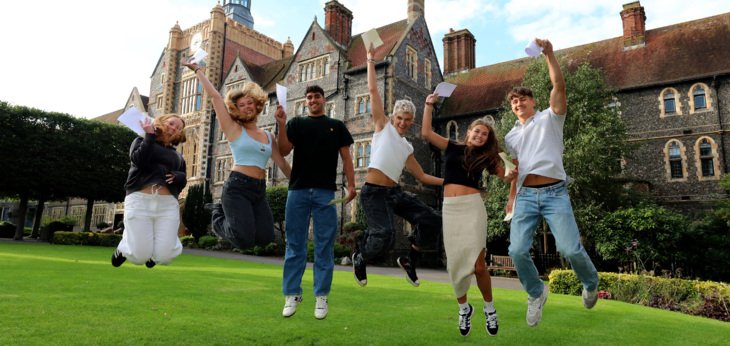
(673, 89)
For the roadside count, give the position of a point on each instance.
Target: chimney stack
(459, 48)
(416, 8)
(634, 21)
(338, 22)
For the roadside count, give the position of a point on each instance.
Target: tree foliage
(594, 138)
(195, 217)
(276, 196)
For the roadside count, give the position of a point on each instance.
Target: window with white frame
(313, 68)
(300, 107)
(222, 167)
(158, 103)
(191, 92)
(412, 63)
(675, 159)
(361, 153)
(235, 85)
(99, 214)
(78, 212)
(329, 109)
(56, 213)
(362, 104)
(427, 73)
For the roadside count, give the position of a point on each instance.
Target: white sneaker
(321, 308)
(590, 298)
(534, 307)
(291, 305)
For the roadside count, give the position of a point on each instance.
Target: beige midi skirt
(465, 236)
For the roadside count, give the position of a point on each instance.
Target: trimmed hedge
(693, 297)
(86, 238)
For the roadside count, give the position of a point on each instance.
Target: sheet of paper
(131, 118)
(281, 95)
(339, 200)
(199, 56)
(445, 89)
(371, 36)
(508, 217)
(508, 165)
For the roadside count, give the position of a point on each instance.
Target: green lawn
(58, 295)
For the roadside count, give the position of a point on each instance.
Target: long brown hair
(160, 123)
(251, 90)
(477, 159)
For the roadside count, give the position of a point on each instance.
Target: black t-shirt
(317, 142)
(454, 171)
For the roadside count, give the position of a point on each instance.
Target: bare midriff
(377, 177)
(251, 171)
(454, 190)
(155, 189)
(534, 180)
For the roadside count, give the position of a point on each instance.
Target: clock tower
(239, 10)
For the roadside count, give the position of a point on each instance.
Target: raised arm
(426, 129)
(285, 146)
(376, 103)
(417, 171)
(224, 118)
(558, 98)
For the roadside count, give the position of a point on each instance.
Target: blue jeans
(300, 206)
(553, 204)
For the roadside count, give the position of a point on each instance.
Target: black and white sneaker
(411, 276)
(150, 263)
(465, 321)
(492, 323)
(358, 268)
(118, 258)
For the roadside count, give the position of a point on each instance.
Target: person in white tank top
(382, 197)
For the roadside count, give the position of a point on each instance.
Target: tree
(276, 196)
(195, 217)
(594, 137)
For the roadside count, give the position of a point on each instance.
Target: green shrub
(7, 230)
(272, 249)
(340, 251)
(86, 238)
(102, 225)
(702, 298)
(188, 241)
(207, 241)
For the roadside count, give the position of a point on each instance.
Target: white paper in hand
(198, 57)
(131, 119)
(281, 95)
(371, 36)
(508, 165)
(444, 89)
(339, 200)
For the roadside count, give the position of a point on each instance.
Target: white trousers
(151, 222)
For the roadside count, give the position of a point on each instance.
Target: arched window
(707, 159)
(361, 106)
(699, 98)
(453, 130)
(669, 104)
(675, 161)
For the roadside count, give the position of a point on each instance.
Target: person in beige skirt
(464, 215)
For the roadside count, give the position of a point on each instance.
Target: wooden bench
(501, 263)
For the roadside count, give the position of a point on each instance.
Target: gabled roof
(249, 56)
(391, 34)
(268, 75)
(110, 118)
(673, 53)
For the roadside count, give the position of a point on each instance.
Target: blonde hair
(160, 123)
(251, 90)
(404, 106)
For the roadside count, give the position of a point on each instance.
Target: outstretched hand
(191, 65)
(147, 126)
(280, 115)
(433, 98)
(547, 47)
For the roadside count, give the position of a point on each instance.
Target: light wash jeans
(300, 206)
(151, 222)
(553, 204)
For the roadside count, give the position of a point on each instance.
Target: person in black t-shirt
(317, 141)
(151, 209)
(464, 215)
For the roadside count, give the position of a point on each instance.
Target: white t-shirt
(538, 145)
(389, 152)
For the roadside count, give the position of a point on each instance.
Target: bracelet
(429, 104)
(371, 60)
(196, 70)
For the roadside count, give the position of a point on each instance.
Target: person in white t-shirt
(536, 145)
(382, 197)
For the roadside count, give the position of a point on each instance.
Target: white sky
(83, 57)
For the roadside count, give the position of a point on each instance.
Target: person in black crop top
(243, 218)
(151, 208)
(464, 215)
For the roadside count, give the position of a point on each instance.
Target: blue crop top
(250, 152)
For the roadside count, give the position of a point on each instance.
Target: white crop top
(389, 152)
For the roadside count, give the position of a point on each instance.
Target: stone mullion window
(669, 103)
(313, 69)
(362, 104)
(699, 98)
(675, 157)
(706, 159)
(361, 154)
(412, 63)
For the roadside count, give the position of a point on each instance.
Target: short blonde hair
(251, 90)
(160, 123)
(404, 106)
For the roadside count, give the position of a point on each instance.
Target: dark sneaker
(358, 268)
(118, 258)
(150, 263)
(465, 321)
(492, 323)
(411, 276)
(590, 298)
